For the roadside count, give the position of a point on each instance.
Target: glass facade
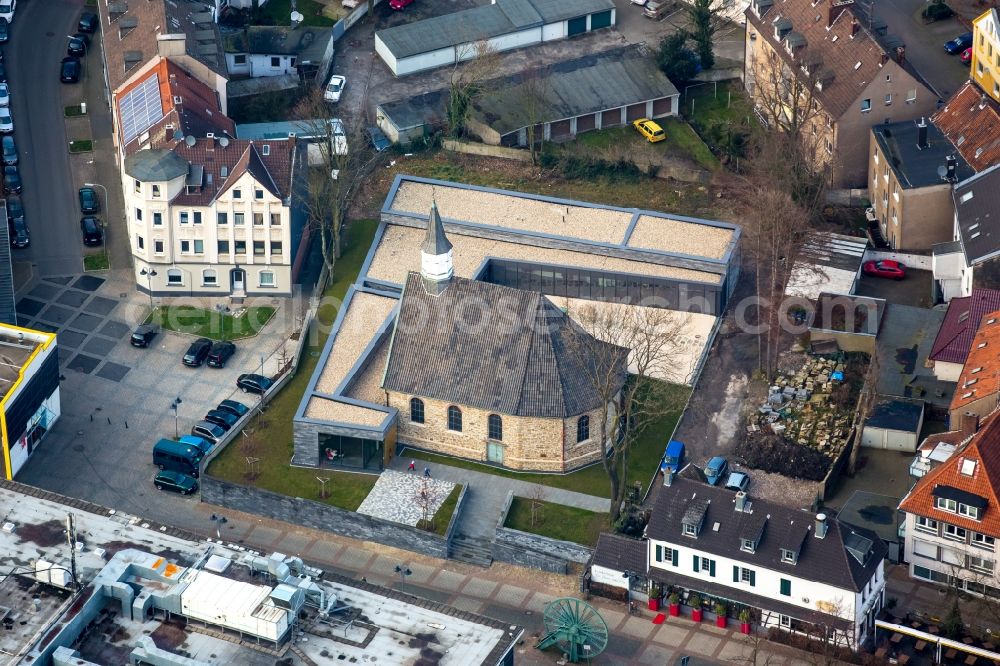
(340, 451)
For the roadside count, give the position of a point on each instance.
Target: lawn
(266, 107)
(273, 438)
(277, 12)
(721, 115)
(681, 141)
(557, 521)
(643, 460)
(81, 146)
(443, 515)
(210, 323)
(96, 262)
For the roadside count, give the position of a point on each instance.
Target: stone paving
(400, 497)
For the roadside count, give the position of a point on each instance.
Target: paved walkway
(486, 494)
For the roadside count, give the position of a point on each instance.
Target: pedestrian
(412, 467)
(427, 472)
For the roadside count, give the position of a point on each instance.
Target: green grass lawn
(211, 324)
(81, 146)
(643, 460)
(557, 521)
(274, 437)
(277, 12)
(443, 515)
(96, 262)
(682, 141)
(720, 115)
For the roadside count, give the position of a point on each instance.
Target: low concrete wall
(924, 262)
(308, 513)
(535, 551)
(484, 149)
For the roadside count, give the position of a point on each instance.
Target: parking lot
(116, 399)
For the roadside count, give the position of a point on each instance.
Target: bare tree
(426, 498)
(753, 651)
(645, 343)
(536, 496)
(866, 403)
(532, 98)
(475, 64)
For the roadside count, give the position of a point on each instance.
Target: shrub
(937, 11)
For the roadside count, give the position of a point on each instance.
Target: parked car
(4, 30)
(399, 4)
(4, 93)
(959, 44)
(14, 209)
(641, 3)
(966, 56)
(3, 73)
(89, 203)
(18, 230)
(6, 121)
(649, 129)
(377, 139)
(11, 180)
(738, 481)
(886, 268)
(251, 383)
(233, 407)
(199, 443)
(144, 334)
(69, 71)
(77, 45)
(9, 150)
(197, 352)
(715, 469)
(175, 482)
(90, 226)
(7, 8)
(221, 418)
(335, 88)
(673, 458)
(220, 353)
(657, 9)
(350, 4)
(88, 22)
(208, 430)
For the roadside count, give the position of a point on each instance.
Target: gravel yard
(365, 314)
(666, 235)
(782, 489)
(397, 496)
(399, 252)
(331, 410)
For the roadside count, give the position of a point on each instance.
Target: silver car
(6, 121)
(4, 95)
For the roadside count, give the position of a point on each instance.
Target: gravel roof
(364, 315)
(492, 208)
(667, 235)
(367, 384)
(399, 253)
(330, 410)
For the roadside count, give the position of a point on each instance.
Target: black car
(220, 353)
(3, 73)
(18, 230)
(377, 139)
(4, 30)
(89, 203)
(88, 22)
(144, 334)
(234, 407)
(77, 45)
(11, 180)
(69, 71)
(197, 352)
(176, 482)
(14, 209)
(251, 383)
(90, 226)
(9, 150)
(224, 420)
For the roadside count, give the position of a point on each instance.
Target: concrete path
(487, 492)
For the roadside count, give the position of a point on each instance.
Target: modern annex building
(399, 368)
(29, 386)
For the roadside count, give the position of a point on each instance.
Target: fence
(486, 149)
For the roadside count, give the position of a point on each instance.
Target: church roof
(436, 242)
(495, 348)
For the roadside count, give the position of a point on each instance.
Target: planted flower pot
(745, 628)
(720, 621)
(696, 614)
(654, 604)
(675, 610)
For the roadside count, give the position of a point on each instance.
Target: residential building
(29, 392)
(257, 50)
(844, 77)
(969, 261)
(213, 216)
(912, 168)
(971, 121)
(954, 338)
(978, 390)
(952, 518)
(791, 569)
(985, 66)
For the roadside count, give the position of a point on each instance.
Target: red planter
(720, 621)
(654, 604)
(696, 614)
(675, 610)
(745, 628)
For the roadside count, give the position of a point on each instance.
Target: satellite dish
(297, 18)
(943, 172)
(189, 141)
(223, 141)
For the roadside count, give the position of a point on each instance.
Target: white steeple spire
(435, 252)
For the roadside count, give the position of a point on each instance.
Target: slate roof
(981, 373)
(984, 449)
(961, 321)
(977, 209)
(436, 242)
(305, 42)
(823, 560)
(903, 414)
(493, 348)
(971, 121)
(620, 553)
(915, 166)
(251, 162)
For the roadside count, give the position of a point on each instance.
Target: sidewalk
(486, 494)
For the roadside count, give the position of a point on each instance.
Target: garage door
(600, 20)
(635, 112)
(662, 106)
(611, 118)
(560, 130)
(586, 123)
(510, 140)
(577, 26)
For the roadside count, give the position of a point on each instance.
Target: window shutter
(736, 574)
(659, 553)
(696, 558)
(753, 578)
(675, 553)
(711, 568)
(786, 587)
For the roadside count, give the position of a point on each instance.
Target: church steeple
(435, 252)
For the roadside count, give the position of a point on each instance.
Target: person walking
(412, 467)
(427, 472)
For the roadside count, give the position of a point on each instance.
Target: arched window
(454, 419)
(175, 277)
(209, 278)
(495, 427)
(416, 410)
(583, 429)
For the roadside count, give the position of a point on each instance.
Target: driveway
(116, 398)
(915, 290)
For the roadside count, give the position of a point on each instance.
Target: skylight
(857, 65)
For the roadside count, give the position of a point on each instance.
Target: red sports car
(399, 4)
(967, 56)
(885, 269)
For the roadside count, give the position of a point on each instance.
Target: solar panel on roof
(140, 108)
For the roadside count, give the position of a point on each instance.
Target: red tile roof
(971, 121)
(954, 339)
(981, 374)
(274, 170)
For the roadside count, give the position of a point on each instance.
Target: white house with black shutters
(796, 571)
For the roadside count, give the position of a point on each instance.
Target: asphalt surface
(32, 56)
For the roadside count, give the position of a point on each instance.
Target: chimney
(901, 54)
(211, 141)
(821, 526)
(922, 134)
(741, 501)
(834, 9)
(952, 165)
(968, 424)
(855, 26)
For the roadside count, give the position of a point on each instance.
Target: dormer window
(690, 530)
(789, 556)
(748, 546)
